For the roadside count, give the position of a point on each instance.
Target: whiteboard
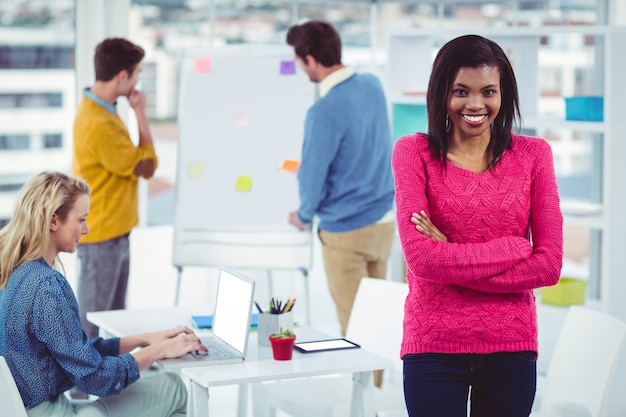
(241, 121)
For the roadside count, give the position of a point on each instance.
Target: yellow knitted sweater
(105, 157)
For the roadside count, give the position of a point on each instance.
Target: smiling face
(65, 234)
(474, 101)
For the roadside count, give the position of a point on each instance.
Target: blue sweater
(345, 176)
(44, 344)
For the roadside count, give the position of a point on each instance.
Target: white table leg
(198, 402)
(242, 409)
(362, 404)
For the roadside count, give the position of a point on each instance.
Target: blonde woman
(41, 336)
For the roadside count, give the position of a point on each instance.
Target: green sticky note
(244, 183)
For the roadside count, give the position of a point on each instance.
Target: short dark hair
(114, 55)
(470, 51)
(318, 39)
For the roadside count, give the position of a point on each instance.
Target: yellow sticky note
(195, 170)
(244, 183)
(290, 165)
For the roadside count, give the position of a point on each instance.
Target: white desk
(259, 365)
(118, 323)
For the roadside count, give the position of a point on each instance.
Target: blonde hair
(26, 236)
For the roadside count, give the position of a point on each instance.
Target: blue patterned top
(44, 344)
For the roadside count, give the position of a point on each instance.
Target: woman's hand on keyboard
(180, 345)
(165, 344)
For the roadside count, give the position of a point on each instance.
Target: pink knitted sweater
(474, 293)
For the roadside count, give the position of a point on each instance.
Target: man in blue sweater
(345, 174)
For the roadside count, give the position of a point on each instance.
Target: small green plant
(283, 334)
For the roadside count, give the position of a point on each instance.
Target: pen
(258, 307)
(287, 306)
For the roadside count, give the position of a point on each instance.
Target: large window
(37, 102)
(166, 27)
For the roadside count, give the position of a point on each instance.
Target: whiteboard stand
(179, 274)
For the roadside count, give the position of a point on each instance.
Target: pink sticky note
(242, 119)
(203, 65)
(287, 67)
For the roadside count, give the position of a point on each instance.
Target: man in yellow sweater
(111, 163)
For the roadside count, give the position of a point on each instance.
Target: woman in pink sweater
(480, 225)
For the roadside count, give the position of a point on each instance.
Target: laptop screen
(231, 320)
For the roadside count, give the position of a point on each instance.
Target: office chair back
(377, 316)
(582, 366)
(10, 399)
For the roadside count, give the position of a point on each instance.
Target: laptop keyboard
(216, 349)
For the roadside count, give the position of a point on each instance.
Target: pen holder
(271, 323)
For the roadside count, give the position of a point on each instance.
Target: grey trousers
(162, 394)
(102, 278)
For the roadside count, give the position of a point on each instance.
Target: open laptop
(228, 343)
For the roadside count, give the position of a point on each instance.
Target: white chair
(376, 324)
(10, 398)
(582, 365)
(9, 395)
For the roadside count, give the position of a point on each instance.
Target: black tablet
(321, 345)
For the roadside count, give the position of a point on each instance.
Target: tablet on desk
(321, 345)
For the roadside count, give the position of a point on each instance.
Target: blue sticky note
(287, 67)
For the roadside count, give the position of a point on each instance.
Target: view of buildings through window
(36, 91)
(37, 82)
